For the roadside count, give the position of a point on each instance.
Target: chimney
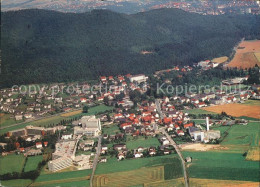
(207, 123)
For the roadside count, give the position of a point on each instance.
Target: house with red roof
(177, 127)
(38, 145)
(167, 120)
(188, 125)
(103, 78)
(45, 144)
(125, 125)
(201, 104)
(100, 98)
(118, 116)
(180, 132)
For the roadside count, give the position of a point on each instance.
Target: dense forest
(46, 46)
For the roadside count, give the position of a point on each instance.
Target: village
(137, 126)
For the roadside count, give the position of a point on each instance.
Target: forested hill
(46, 46)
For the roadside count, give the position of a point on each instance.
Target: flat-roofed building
(88, 125)
(138, 78)
(65, 148)
(31, 130)
(63, 156)
(19, 132)
(60, 163)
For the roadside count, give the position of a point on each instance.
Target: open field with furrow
(253, 154)
(236, 110)
(166, 183)
(140, 176)
(247, 55)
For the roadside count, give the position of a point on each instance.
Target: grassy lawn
(100, 108)
(221, 165)
(142, 142)
(16, 182)
(2, 131)
(222, 129)
(80, 152)
(197, 111)
(11, 163)
(112, 165)
(63, 175)
(198, 121)
(252, 102)
(32, 163)
(6, 120)
(243, 135)
(80, 183)
(111, 129)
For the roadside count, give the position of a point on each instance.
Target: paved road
(95, 162)
(176, 147)
(158, 107)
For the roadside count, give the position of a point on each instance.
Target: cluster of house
(122, 150)
(209, 8)
(143, 124)
(122, 84)
(33, 135)
(178, 122)
(33, 104)
(216, 98)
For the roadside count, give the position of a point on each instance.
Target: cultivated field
(236, 110)
(201, 147)
(32, 163)
(62, 177)
(79, 183)
(166, 183)
(221, 166)
(133, 164)
(68, 114)
(257, 55)
(16, 182)
(253, 154)
(247, 55)
(221, 183)
(197, 111)
(220, 59)
(202, 182)
(130, 178)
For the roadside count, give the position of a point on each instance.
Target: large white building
(138, 78)
(63, 156)
(87, 125)
(60, 163)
